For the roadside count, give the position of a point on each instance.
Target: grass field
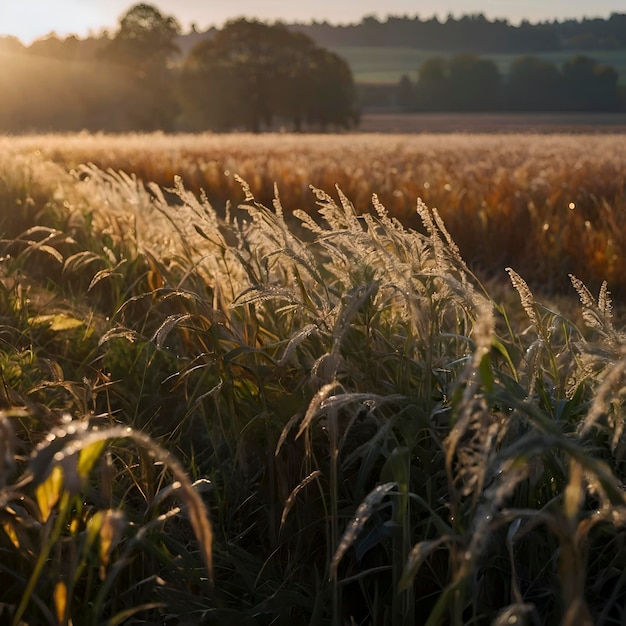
(297, 406)
(387, 64)
(505, 198)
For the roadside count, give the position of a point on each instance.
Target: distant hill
(474, 33)
(470, 33)
(386, 65)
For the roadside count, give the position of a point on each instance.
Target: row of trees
(252, 76)
(468, 82)
(474, 33)
(247, 76)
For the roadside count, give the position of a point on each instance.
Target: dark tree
(474, 83)
(469, 33)
(229, 78)
(332, 102)
(463, 83)
(249, 73)
(589, 86)
(534, 85)
(404, 93)
(146, 39)
(207, 95)
(142, 45)
(431, 91)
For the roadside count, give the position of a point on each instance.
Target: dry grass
(548, 205)
(377, 438)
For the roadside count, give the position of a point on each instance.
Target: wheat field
(549, 205)
(227, 401)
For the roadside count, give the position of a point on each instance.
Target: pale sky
(31, 19)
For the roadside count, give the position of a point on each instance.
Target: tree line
(474, 33)
(248, 76)
(467, 82)
(254, 76)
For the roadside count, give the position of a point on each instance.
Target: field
(549, 205)
(228, 402)
(494, 123)
(387, 64)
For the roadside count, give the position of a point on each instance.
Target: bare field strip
(547, 123)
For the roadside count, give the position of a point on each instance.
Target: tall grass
(376, 438)
(550, 205)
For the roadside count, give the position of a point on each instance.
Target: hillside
(469, 33)
(386, 64)
(383, 51)
(474, 33)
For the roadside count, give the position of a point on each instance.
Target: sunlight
(34, 19)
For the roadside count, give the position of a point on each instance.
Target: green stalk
(403, 602)
(334, 509)
(43, 558)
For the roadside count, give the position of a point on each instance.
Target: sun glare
(34, 19)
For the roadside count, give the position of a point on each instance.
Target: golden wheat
(548, 205)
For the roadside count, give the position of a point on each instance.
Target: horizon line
(325, 21)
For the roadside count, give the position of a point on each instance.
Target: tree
(463, 83)
(589, 86)
(143, 44)
(474, 83)
(404, 93)
(534, 85)
(250, 72)
(145, 39)
(230, 77)
(431, 91)
(332, 94)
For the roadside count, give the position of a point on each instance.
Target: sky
(32, 19)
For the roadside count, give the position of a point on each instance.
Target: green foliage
(589, 85)
(386, 64)
(376, 440)
(470, 83)
(534, 84)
